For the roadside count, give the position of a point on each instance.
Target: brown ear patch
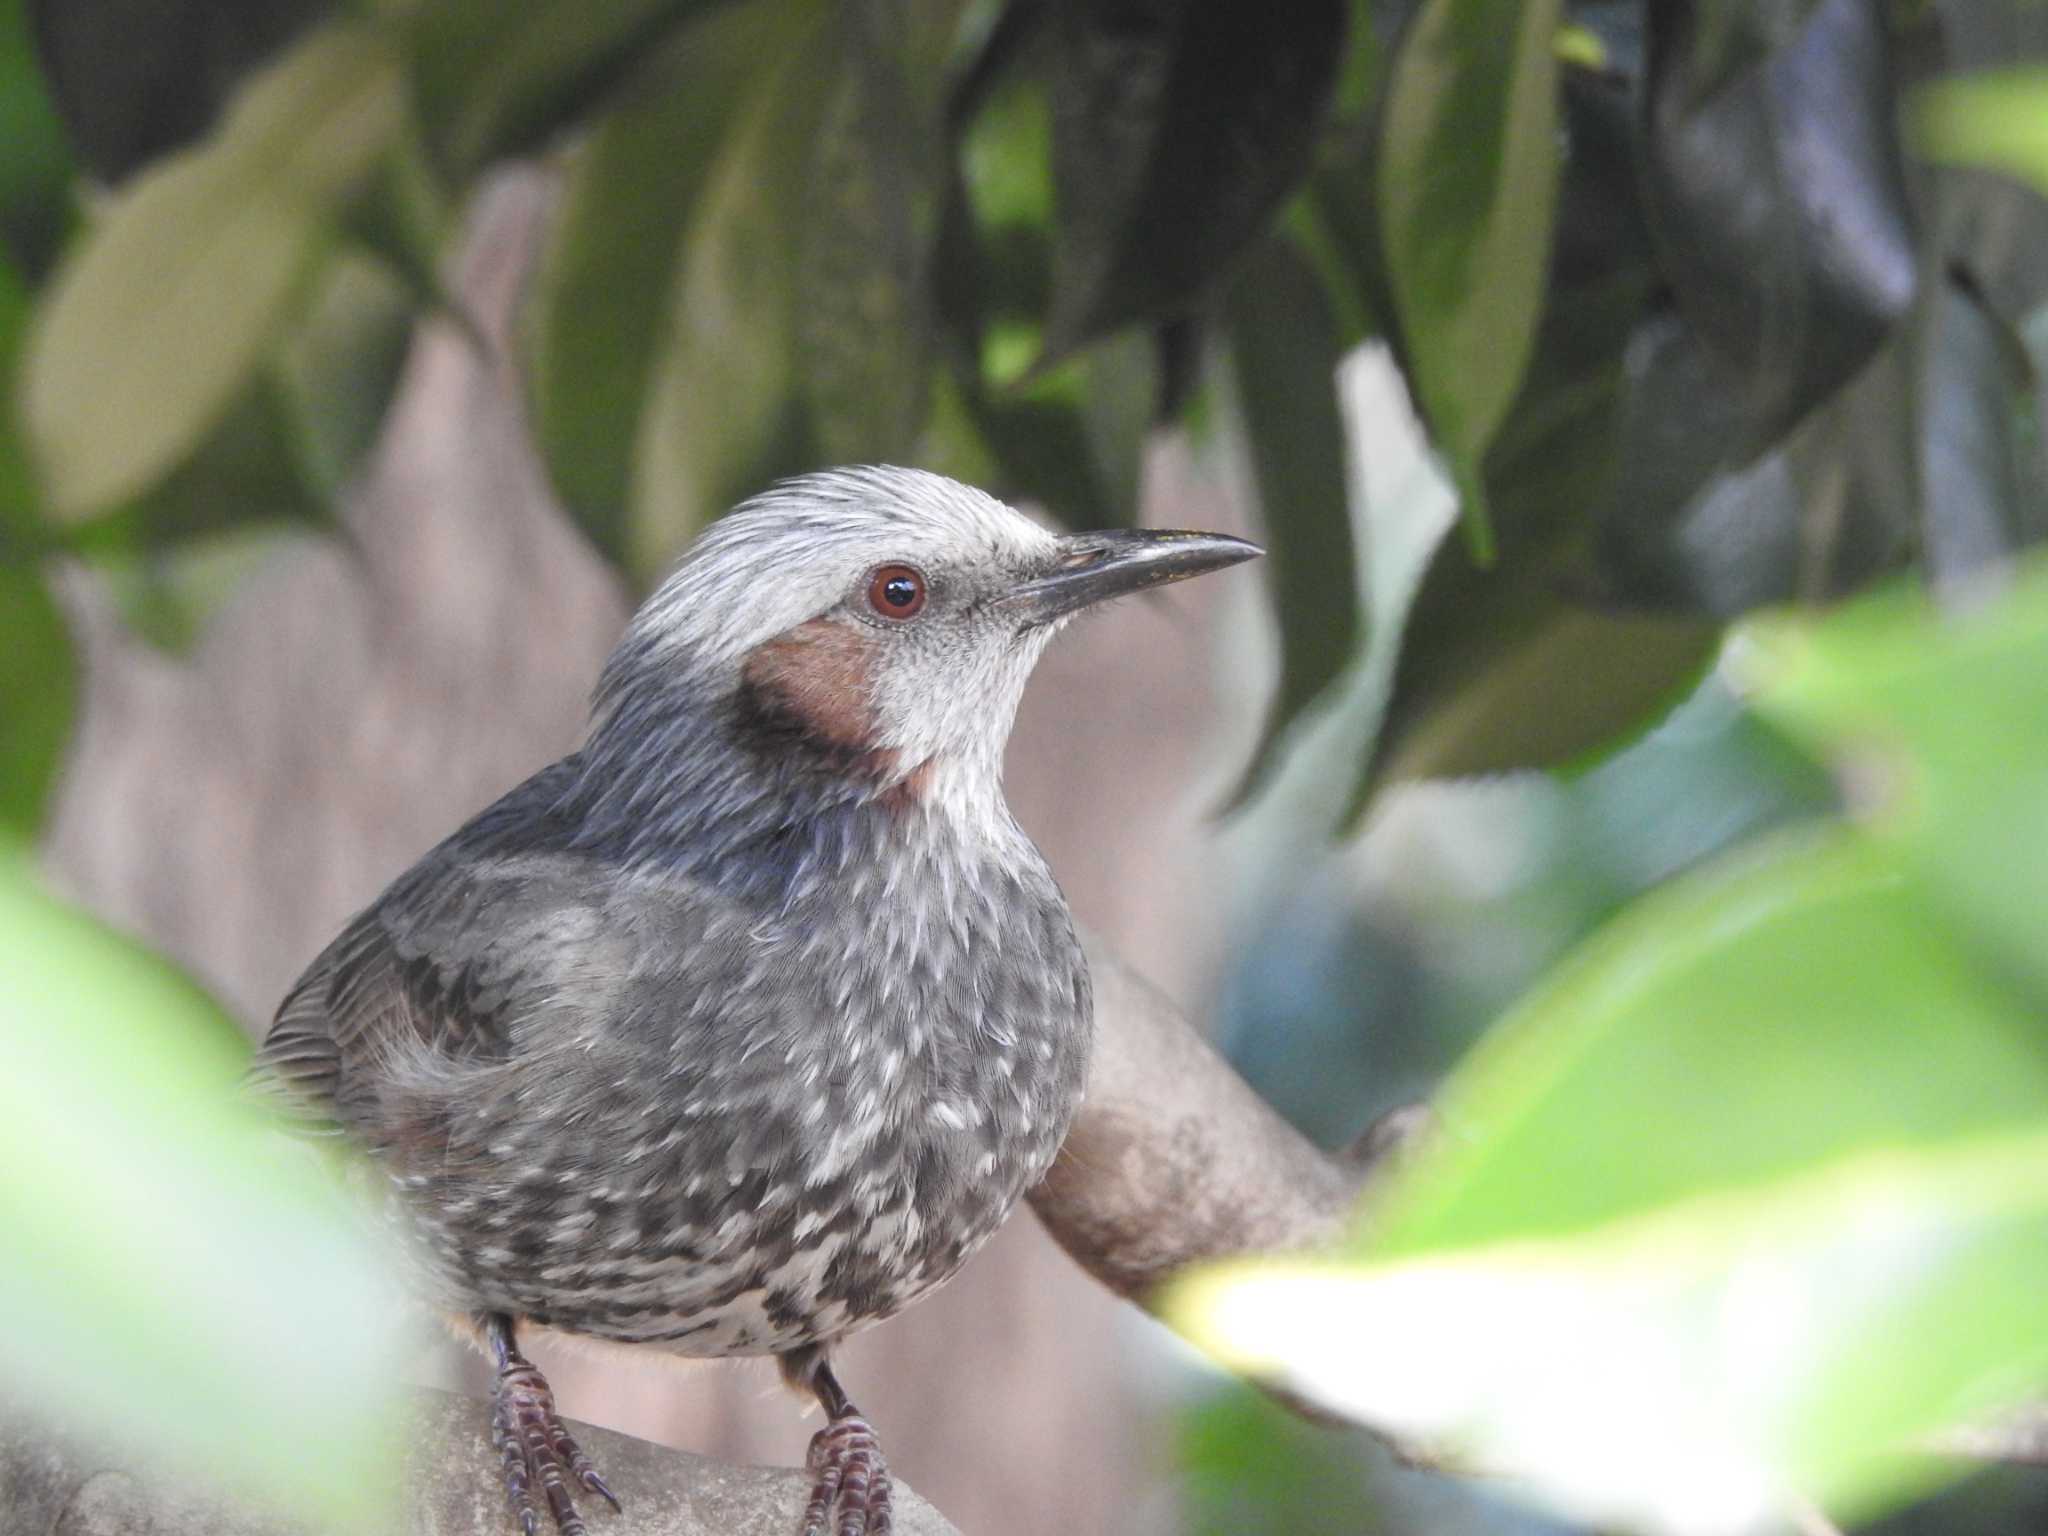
(812, 688)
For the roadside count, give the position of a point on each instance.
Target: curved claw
(851, 1477)
(535, 1447)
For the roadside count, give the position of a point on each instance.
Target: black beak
(1095, 566)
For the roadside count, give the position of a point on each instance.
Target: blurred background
(371, 359)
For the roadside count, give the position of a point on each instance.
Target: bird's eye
(896, 592)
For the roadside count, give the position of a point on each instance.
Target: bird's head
(873, 626)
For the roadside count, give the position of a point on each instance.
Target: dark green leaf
(1179, 127)
(338, 368)
(35, 173)
(1468, 172)
(865, 328)
(21, 527)
(38, 679)
(1773, 173)
(601, 311)
(492, 78)
(1284, 349)
(725, 410)
(156, 324)
(136, 79)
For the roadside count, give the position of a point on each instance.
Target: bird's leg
(845, 1458)
(533, 1443)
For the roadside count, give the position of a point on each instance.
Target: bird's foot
(536, 1448)
(852, 1479)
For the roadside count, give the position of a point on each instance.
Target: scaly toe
(537, 1449)
(851, 1478)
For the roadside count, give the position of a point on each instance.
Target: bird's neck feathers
(779, 746)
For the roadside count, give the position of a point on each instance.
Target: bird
(741, 1027)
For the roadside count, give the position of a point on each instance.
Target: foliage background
(1648, 318)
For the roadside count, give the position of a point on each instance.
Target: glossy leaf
(38, 688)
(160, 319)
(1659, 1277)
(601, 311)
(260, 1324)
(1178, 130)
(1776, 188)
(1285, 351)
(1468, 172)
(137, 79)
(492, 78)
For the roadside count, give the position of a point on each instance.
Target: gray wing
(445, 967)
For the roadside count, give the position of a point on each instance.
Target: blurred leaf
(1653, 1271)
(255, 1344)
(35, 173)
(1773, 174)
(1994, 118)
(492, 78)
(158, 321)
(1468, 172)
(136, 79)
(864, 328)
(38, 682)
(600, 314)
(339, 366)
(21, 527)
(725, 409)
(168, 594)
(1284, 349)
(1178, 129)
(1553, 686)
(1940, 726)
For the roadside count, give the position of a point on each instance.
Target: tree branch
(1175, 1160)
(49, 1487)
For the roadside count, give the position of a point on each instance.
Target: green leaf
(178, 1279)
(725, 410)
(492, 78)
(169, 594)
(600, 315)
(1285, 350)
(338, 369)
(1997, 118)
(1718, 1367)
(865, 327)
(157, 323)
(35, 173)
(1468, 173)
(1178, 131)
(1941, 726)
(1730, 1210)
(38, 684)
(21, 519)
